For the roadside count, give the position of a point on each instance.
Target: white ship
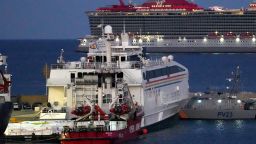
(181, 25)
(159, 86)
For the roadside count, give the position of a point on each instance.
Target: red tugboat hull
(133, 130)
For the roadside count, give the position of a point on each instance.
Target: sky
(64, 19)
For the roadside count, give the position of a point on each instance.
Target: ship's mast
(108, 32)
(121, 2)
(236, 82)
(61, 60)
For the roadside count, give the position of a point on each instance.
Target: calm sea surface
(26, 59)
(203, 132)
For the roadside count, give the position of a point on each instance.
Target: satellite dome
(108, 29)
(82, 59)
(164, 58)
(170, 57)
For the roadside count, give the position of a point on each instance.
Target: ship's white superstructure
(160, 86)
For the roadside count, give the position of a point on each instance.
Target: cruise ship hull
(5, 114)
(192, 49)
(204, 45)
(201, 49)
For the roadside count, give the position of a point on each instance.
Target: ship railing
(84, 81)
(20, 131)
(131, 65)
(134, 49)
(98, 65)
(211, 104)
(51, 110)
(100, 126)
(156, 62)
(58, 66)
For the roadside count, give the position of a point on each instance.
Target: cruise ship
(159, 86)
(179, 24)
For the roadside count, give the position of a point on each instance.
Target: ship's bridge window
(162, 72)
(107, 98)
(126, 93)
(120, 75)
(122, 58)
(117, 58)
(100, 59)
(72, 77)
(113, 59)
(133, 58)
(95, 98)
(144, 76)
(80, 75)
(174, 69)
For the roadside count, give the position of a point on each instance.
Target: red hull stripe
(168, 79)
(89, 138)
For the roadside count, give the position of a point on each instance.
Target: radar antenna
(236, 82)
(60, 59)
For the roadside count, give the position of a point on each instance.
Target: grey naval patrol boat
(217, 105)
(5, 104)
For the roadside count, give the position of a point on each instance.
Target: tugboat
(219, 105)
(5, 105)
(106, 120)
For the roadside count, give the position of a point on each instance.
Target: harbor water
(202, 132)
(27, 58)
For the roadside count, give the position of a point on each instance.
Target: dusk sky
(64, 19)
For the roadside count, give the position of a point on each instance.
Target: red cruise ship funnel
(118, 8)
(164, 5)
(172, 5)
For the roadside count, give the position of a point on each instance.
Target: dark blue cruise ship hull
(5, 114)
